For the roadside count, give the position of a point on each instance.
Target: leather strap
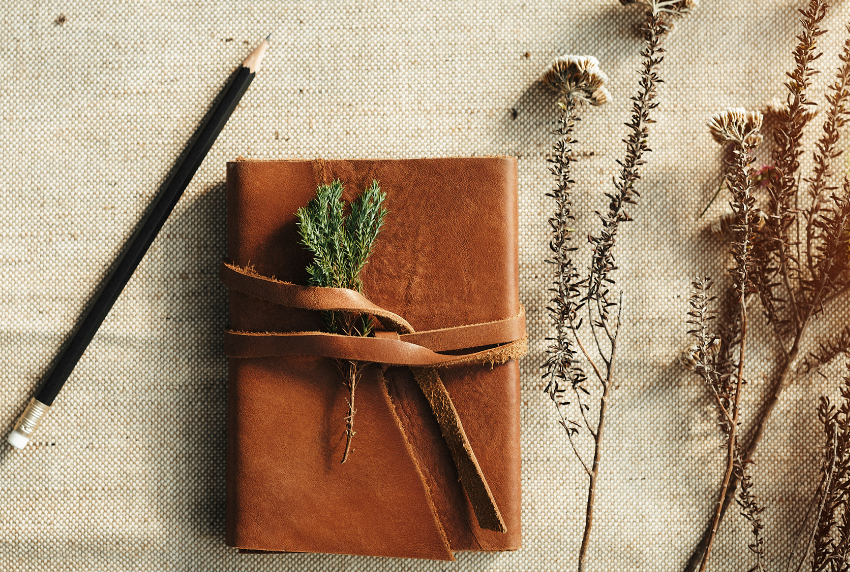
(341, 299)
(377, 350)
(471, 476)
(469, 336)
(399, 345)
(247, 281)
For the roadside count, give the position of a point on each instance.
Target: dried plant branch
(826, 152)
(827, 351)
(798, 271)
(781, 264)
(751, 511)
(593, 365)
(827, 473)
(741, 128)
(832, 264)
(579, 82)
(702, 357)
(625, 194)
(594, 330)
(561, 369)
(831, 532)
(602, 259)
(839, 225)
(582, 409)
(728, 358)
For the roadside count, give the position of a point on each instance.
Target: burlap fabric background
(128, 471)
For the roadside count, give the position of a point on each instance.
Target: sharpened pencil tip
(255, 58)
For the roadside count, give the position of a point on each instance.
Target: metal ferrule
(31, 418)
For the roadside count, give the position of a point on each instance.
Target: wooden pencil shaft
(141, 241)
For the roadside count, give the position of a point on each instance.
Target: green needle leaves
(341, 245)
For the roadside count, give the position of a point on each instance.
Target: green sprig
(341, 245)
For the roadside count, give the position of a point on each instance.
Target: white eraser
(17, 440)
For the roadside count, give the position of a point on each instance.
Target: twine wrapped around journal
(396, 344)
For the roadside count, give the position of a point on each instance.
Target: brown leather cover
(446, 257)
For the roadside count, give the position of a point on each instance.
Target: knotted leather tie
(398, 344)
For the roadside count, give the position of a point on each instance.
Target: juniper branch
(341, 246)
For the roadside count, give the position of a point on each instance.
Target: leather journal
(435, 464)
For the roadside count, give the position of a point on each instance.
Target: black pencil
(136, 248)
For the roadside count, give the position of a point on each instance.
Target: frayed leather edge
(416, 464)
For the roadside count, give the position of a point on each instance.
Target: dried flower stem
(793, 285)
(700, 552)
(597, 453)
(783, 187)
(562, 368)
(784, 375)
(826, 151)
(743, 205)
(602, 261)
(830, 535)
(579, 81)
(703, 357)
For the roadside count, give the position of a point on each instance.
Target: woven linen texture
(98, 98)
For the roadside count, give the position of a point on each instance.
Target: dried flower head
(601, 96)
(737, 124)
(578, 78)
(675, 7)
